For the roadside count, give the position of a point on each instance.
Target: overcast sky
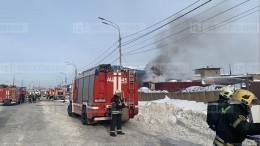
(37, 37)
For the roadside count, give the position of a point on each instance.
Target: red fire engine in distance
(94, 88)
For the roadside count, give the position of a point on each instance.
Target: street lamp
(30, 84)
(61, 81)
(22, 81)
(65, 78)
(110, 23)
(14, 78)
(72, 64)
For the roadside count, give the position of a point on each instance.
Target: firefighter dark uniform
(116, 108)
(233, 126)
(213, 116)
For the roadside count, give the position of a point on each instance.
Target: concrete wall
(204, 96)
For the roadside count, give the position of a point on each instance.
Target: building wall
(211, 73)
(202, 96)
(208, 72)
(254, 87)
(256, 76)
(175, 86)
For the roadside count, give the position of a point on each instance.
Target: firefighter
(116, 109)
(233, 126)
(214, 108)
(225, 94)
(30, 97)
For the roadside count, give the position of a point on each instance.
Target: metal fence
(254, 87)
(203, 96)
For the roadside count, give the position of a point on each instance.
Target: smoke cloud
(226, 45)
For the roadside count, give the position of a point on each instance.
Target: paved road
(47, 123)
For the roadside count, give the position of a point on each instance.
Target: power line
(186, 38)
(193, 35)
(110, 57)
(177, 24)
(114, 60)
(162, 20)
(166, 23)
(99, 56)
(105, 56)
(136, 33)
(189, 27)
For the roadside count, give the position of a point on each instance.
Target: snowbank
(210, 88)
(181, 120)
(174, 118)
(184, 104)
(147, 90)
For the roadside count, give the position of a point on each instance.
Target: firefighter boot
(120, 132)
(112, 134)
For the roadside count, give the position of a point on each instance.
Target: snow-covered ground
(177, 120)
(147, 90)
(184, 104)
(210, 88)
(192, 88)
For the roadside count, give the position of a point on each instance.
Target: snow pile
(184, 104)
(209, 88)
(172, 121)
(181, 120)
(147, 90)
(138, 67)
(199, 88)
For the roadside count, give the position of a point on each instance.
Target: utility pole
(72, 64)
(110, 23)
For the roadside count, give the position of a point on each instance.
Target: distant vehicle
(94, 88)
(59, 93)
(37, 94)
(51, 94)
(22, 94)
(9, 95)
(44, 93)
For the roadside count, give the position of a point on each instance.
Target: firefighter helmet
(117, 92)
(244, 96)
(227, 92)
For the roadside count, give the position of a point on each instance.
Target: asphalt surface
(47, 123)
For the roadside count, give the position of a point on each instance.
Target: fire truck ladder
(131, 79)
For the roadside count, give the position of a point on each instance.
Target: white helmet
(117, 91)
(227, 92)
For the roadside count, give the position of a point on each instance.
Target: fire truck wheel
(70, 113)
(84, 118)
(83, 115)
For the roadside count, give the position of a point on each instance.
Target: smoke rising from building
(229, 44)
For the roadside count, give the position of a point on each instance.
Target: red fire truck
(51, 94)
(94, 88)
(59, 93)
(9, 94)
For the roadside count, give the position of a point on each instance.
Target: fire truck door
(7, 93)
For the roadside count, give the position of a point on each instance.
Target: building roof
(209, 68)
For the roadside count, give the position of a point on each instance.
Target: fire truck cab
(94, 88)
(59, 93)
(9, 95)
(51, 94)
